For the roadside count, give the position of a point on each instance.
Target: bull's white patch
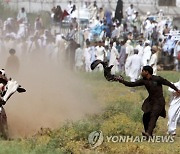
(11, 88)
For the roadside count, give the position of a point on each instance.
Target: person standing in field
(12, 63)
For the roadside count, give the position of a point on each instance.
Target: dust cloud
(53, 96)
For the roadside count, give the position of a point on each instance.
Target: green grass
(121, 115)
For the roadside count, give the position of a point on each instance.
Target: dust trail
(53, 96)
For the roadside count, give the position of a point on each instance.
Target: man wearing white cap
(160, 13)
(147, 53)
(140, 48)
(148, 28)
(129, 48)
(153, 59)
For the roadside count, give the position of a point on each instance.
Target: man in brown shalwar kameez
(154, 104)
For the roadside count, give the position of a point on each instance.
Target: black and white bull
(8, 88)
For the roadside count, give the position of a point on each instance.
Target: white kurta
(146, 55)
(140, 50)
(174, 111)
(114, 55)
(79, 57)
(153, 63)
(129, 53)
(133, 67)
(22, 16)
(22, 31)
(129, 50)
(87, 58)
(100, 56)
(175, 55)
(100, 52)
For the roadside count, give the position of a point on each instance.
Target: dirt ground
(53, 96)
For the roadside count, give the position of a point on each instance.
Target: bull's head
(10, 88)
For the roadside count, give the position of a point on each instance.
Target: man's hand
(118, 78)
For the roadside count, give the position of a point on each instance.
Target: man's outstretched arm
(130, 84)
(169, 84)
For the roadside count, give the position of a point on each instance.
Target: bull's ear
(21, 90)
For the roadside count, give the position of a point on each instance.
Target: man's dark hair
(149, 69)
(12, 51)
(22, 9)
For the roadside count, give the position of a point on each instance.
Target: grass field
(120, 115)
